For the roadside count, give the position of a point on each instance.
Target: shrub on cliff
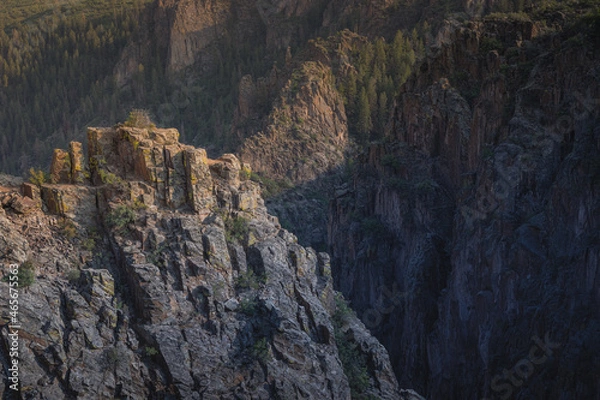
(38, 177)
(236, 229)
(270, 188)
(260, 349)
(25, 274)
(250, 280)
(139, 119)
(121, 216)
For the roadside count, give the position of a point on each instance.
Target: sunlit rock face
(161, 275)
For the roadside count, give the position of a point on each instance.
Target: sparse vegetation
(38, 177)
(113, 357)
(270, 187)
(236, 229)
(139, 205)
(150, 351)
(511, 16)
(249, 280)
(245, 173)
(139, 118)
(121, 216)
(108, 178)
(67, 228)
(260, 349)
(73, 275)
(248, 307)
(154, 257)
(26, 274)
(342, 310)
(92, 239)
(88, 244)
(353, 360)
(490, 43)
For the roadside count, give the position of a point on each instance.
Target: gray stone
(231, 305)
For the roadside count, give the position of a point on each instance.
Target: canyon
(461, 228)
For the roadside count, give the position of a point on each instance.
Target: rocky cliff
(468, 240)
(159, 274)
(192, 33)
(307, 129)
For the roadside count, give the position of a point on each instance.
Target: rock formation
(470, 236)
(307, 131)
(163, 276)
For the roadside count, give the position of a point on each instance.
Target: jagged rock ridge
(165, 277)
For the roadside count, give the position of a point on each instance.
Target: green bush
(73, 275)
(26, 274)
(38, 177)
(139, 204)
(150, 351)
(121, 216)
(236, 229)
(245, 173)
(249, 280)
(248, 307)
(270, 187)
(139, 118)
(109, 178)
(88, 244)
(488, 44)
(260, 349)
(155, 256)
(342, 310)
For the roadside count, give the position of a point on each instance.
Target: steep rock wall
(471, 236)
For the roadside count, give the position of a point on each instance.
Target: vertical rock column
(76, 156)
(60, 169)
(198, 179)
(99, 140)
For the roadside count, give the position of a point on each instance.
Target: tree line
(380, 70)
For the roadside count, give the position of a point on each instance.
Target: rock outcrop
(166, 278)
(307, 131)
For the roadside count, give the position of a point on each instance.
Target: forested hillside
(56, 63)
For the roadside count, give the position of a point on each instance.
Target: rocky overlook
(159, 274)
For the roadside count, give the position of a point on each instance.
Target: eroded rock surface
(168, 279)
